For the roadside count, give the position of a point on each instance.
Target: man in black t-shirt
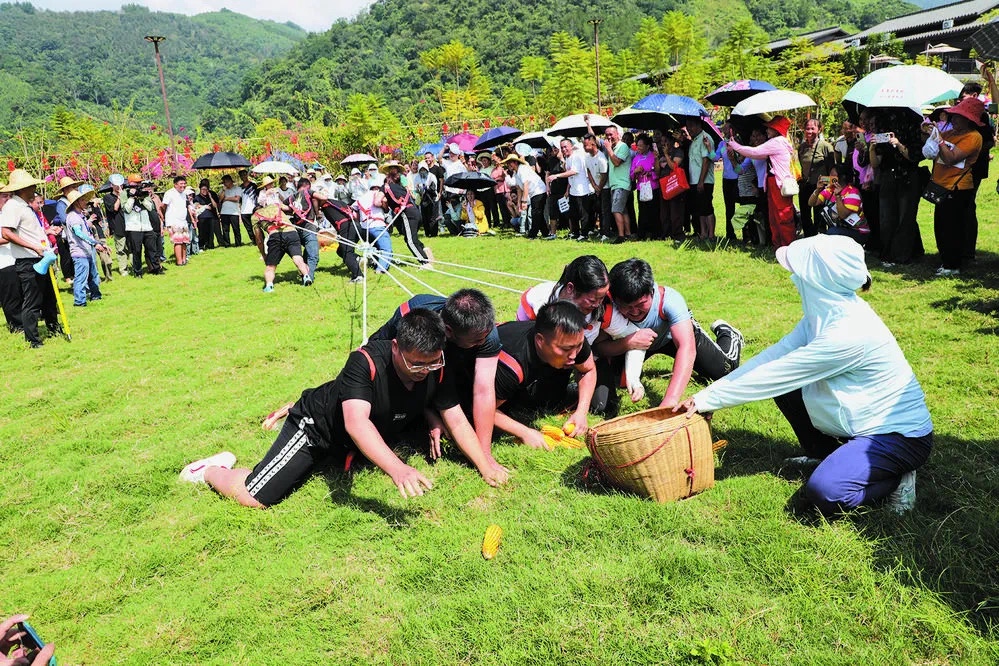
(116, 224)
(472, 348)
(535, 367)
(383, 391)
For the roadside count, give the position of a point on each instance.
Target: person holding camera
(817, 157)
(839, 204)
(895, 150)
(137, 205)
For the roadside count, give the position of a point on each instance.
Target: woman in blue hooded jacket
(841, 381)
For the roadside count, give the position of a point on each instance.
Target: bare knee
(231, 483)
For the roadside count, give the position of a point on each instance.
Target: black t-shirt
(396, 194)
(209, 212)
(438, 171)
(394, 408)
(520, 368)
(461, 362)
(116, 220)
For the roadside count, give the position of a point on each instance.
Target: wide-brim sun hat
(780, 124)
(971, 108)
(116, 179)
(340, 176)
(390, 165)
(20, 179)
(513, 157)
(355, 172)
(267, 181)
(66, 181)
(76, 196)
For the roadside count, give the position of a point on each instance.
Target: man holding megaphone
(20, 227)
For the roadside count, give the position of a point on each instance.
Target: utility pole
(596, 51)
(155, 40)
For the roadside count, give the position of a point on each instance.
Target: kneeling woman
(841, 381)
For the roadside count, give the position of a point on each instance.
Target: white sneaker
(947, 272)
(195, 472)
(903, 498)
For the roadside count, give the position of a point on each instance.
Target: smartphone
(823, 181)
(882, 137)
(33, 642)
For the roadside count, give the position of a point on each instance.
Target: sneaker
(359, 278)
(903, 498)
(618, 240)
(887, 264)
(268, 289)
(604, 238)
(804, 462)
(195, 472)
(947, 272)
(549, 237)
(306, 281)
(734, 352)
(594, 233)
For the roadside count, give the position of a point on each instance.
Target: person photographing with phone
(894, 152)
(839, 204)
(21, 646)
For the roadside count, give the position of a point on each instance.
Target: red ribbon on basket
(591, 440)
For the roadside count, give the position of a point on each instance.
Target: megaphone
(42, 265)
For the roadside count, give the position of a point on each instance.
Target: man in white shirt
(580, 189)
(452, 164)
(247, 204)
(596, 172)
(532, 192)
(231, 197)
(10, 287)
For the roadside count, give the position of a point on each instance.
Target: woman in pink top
(778, 152)
(502, 189)
(645, 169)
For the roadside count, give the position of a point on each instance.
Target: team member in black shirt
(536, 364)
(382, 391)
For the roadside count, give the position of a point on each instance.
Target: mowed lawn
(118, 561)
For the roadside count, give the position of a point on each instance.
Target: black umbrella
(470, 180)
(986, 41)
(105, 188)
(734, 92)
(645, 120)
(222, 161)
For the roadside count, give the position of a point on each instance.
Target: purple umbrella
(464, 140)
(496, 136)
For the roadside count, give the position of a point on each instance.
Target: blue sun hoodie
(852, 374)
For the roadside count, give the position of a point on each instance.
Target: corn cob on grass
(491, 541)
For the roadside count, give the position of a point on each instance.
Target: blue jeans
(310, 243)
(193, 247)
(379, 237)
(85, 278)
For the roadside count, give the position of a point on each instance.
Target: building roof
(930, 21)
(816, 37)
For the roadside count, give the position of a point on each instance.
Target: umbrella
(434, 148)
(905, 86)
(675, 105)
(221, 161)
(772, 101)
(358, 158)
(734, 92)
(497, 136)
(464, 140)
(535, 140)
(574, 125)
(986, 41)
(275, 166)
(470, 180)
(105, 188)
(284, 156)
(644, 120)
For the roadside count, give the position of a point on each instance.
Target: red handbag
(674, 184)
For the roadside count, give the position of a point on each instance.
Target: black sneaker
(733, 352)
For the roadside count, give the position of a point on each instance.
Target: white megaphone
(42, 265)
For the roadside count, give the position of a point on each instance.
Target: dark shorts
(705, 200)
(288, 464)
(280, 244)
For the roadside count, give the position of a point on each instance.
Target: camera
(882, 137)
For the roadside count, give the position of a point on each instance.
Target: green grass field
(119, 562)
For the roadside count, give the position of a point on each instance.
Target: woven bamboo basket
(655, 453)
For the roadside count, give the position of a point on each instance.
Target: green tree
(533, 70)
(743, 53)
(572, 87)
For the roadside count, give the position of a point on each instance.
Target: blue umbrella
(674, 105)
(497, 136)
(282, 156)
(434, 148)
(734, 92)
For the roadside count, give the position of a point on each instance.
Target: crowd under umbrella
(275, 166)
(734, 92)
(575, 125)
(538, 140)
(221, 160)
(470, 180)
(465, 141)
(675, 105)
(772, 101)
(902, 86)
(644, 120)
(358, 158)
(497, 136)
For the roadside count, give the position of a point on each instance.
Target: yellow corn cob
(491, 541)
(570, 428)
(555, 437)
(551, 441)
(552, 431)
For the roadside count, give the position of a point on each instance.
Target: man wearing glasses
(382, 392)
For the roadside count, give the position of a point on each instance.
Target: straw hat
(66, 181)
(388, 165)
(513, 157)
(77, 196)
(266, 182)
(19, 180)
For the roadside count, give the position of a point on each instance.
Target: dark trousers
(247, 219)
(607, 226)
(66, 266)
(11, 298)
(581, 213)
(649, 223)
(672, 213)
(346, 252)
(427, 213)
(208, 231)
(951, 220)
(147, 240)
(503, 205)
(730, 193)
(407, 223)
(538, 224)
(901, 242)
(37, 300)
(811, 219)
(854, 471)
(230, 222)
(970, 242)
(871, 199)
(488, 199)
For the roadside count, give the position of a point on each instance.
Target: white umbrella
(534, 140)
(275, 166)
(575, 125)
(905, 86)
(772, 101)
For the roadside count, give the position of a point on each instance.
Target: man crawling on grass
(384, 390)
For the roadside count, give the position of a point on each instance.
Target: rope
(454, 275)
(437, 262)
(401, 286)
(419, 281)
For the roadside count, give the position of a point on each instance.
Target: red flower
(135, 159)
(485, 123)
(152, 128)
(445, 128)
(105, 162)
(11, 165)
(464, 127)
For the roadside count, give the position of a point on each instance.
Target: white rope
(436, 262)
(454, 275)
(401, 285)
(418, 281)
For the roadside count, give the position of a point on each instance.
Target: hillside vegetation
(92, 61)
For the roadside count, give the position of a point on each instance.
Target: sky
(313, 15)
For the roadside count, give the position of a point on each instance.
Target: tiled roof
(970, 9)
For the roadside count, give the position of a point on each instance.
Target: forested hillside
(93, 60)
